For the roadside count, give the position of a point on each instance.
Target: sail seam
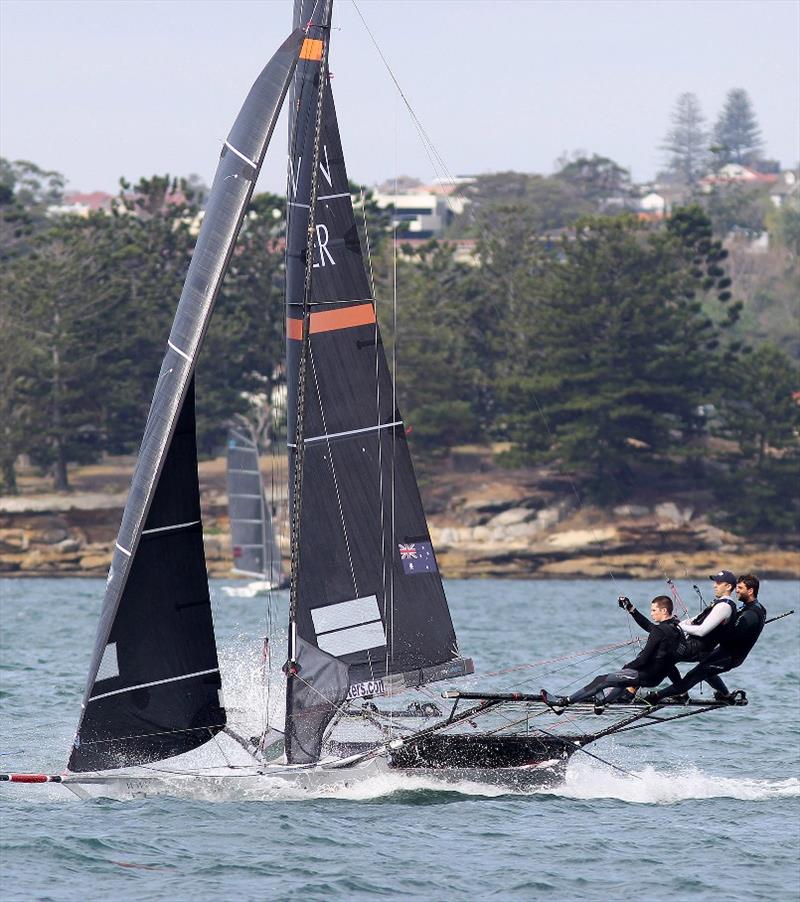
(185, 676)
(320, 438)
(241, 155)
(146, 532)
(179, 351)
(123, 550)
(333, 196)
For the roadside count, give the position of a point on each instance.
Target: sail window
(349, 626)
(108, 663)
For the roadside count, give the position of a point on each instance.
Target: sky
(110, 88)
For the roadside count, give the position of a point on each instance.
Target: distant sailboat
(254, 545)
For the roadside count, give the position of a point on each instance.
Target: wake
(587, 780)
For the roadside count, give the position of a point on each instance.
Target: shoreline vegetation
(485, 520)
(652, 357)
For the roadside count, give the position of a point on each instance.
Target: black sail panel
(157, 691)
(369, 592)
(130, 672)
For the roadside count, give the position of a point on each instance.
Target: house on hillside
(423, 211)
(737, 174)
(76, 203)
(786, 191)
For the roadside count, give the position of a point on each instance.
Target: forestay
(369, 614)
(153, 687)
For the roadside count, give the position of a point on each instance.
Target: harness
(692, 648)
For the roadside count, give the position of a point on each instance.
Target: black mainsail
(253, 541)
(153, 687)
(368, 611)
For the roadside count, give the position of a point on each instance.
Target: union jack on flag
(417, 557)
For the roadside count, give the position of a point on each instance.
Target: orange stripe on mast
(331, 320)
(311, 49)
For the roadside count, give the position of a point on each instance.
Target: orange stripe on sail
(294, 329)
(311, 49)
(345, 318)
(330, 320)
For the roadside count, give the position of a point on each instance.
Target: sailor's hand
(625, 603)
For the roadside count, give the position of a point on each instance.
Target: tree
(784, 226)
(737, 206)
(704, 257)
(736, 133)
(26, 191)
(686, 142)
(760, 412)
(616, 364)
(597, 179)
(60, 294)
(431, 341)
(544, 203)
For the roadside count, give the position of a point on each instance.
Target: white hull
(276, 781)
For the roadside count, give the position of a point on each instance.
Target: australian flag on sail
(417, 557)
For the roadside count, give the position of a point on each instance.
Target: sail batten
(157, 611)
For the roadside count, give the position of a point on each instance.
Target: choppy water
(715, 813)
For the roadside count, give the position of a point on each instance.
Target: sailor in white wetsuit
(711, 626)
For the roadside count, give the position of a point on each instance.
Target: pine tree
(760, 417)
(737, 137)
(60, 294)
(686, 142)
(597, 179)
(617, 363)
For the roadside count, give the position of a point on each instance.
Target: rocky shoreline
(512, 524)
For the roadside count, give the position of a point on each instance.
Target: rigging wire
(434, 157)
(386, 558)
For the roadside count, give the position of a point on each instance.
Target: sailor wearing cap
(712, 623)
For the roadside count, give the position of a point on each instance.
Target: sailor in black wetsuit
(735, 644)
(655, 661)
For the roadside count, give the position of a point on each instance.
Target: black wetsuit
(654, 662)
(734, 646)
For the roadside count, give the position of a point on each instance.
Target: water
(713, 815)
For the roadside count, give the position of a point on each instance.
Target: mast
(368, 614)
(314, 50)
(153, 688)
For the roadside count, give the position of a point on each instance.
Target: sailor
(701, 634)
(655, 662)
(735, 644)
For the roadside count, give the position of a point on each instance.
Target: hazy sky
(137, 87)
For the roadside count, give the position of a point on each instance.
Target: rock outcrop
(523, 523)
